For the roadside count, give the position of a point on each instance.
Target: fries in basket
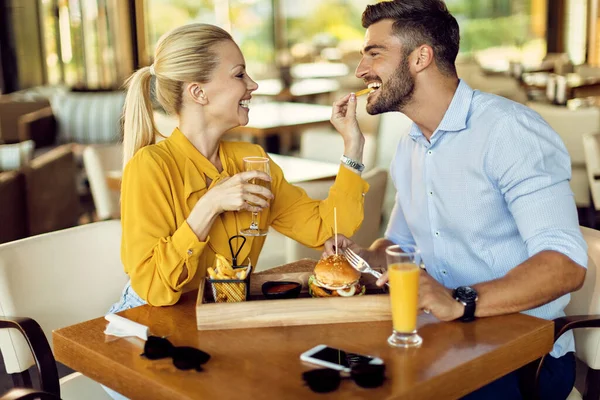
(229, 284)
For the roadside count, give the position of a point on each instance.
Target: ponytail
(138, 127)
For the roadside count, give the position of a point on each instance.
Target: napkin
(123, 327)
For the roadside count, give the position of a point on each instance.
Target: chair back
(571, 125)
(369, 230)
(59, 279)
(327, 145)
(99, 160)
(591, 148)
(586, 301)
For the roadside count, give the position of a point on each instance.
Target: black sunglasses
(184, 357)
(327, 380)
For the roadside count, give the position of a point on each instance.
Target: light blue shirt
(489, 191)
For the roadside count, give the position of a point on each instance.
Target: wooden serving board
(260, 313)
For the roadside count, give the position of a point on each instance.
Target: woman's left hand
(343, 119)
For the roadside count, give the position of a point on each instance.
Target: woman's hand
(237, 194)
(343, 119)
(343, 243)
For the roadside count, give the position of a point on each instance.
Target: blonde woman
(184, 197)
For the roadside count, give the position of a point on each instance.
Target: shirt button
(431, 193)
(437, 233)
(430, 152)
(190, 252)
(444, 272)
(363, 195)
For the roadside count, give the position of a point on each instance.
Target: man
(482, 186)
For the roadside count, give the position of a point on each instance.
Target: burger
(334, 276)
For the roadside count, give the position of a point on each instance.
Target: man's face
(385, 66)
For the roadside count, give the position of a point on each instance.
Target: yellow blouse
(162, 183)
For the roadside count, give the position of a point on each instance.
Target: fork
(359, 264)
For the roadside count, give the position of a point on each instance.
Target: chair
(28, 394)
(583, 311)
(39, 197)
(369, 230)
(328, 145)
(98, 160)
(571, 125)
(58, 279)
(591, 148)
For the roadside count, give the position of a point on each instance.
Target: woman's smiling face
(230, 89)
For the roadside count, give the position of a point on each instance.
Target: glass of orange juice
(403, 272)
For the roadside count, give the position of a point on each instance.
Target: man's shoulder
(489, 108)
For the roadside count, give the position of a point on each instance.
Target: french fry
(224, 266)
(211, 273)
(364, 91)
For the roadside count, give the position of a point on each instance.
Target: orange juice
(404, 295)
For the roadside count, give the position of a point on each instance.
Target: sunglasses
(184, 357)
(327, 380)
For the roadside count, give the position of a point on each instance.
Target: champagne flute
(256, 164)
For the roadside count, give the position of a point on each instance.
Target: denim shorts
(129, 299)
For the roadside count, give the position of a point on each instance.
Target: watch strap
(358, 166)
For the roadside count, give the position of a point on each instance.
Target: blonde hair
(183, 55)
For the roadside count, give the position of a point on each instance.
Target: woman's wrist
(354, 149)
(202, 217)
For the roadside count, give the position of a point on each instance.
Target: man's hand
(434, 298)
(437, 299)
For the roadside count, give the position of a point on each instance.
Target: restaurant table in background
(455, 359)
(266, 119)
(295, 170)
(319, 70)
(305, 90)
(561, 88)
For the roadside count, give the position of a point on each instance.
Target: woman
(183, 198)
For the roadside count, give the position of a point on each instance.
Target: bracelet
(352, 164)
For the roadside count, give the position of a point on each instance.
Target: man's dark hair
(419, 22)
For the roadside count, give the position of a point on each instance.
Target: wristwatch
(352, 164)
(467, 296)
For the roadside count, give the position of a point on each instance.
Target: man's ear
(423, 57)
(196, 93)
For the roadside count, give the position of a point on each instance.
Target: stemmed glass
(256, 164)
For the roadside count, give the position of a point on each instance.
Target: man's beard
(396, 93)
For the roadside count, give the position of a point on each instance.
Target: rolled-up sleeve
(531, 166)
(311, 222)
(154, 249)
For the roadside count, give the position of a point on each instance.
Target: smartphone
(336, 359)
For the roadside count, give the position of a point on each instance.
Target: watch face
(466, 293)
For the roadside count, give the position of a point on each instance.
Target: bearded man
(482, 187)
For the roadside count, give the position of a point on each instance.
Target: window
(79, 42)
(498, 31)
(250, 23)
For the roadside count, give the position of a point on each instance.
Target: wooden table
(307, 90)
(282, 119)
(265, 119)
(455, 358)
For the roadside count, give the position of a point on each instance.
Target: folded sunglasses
(325, 380)
(184, 357)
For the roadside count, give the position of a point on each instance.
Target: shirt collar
(455, 118)
(197, 167)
